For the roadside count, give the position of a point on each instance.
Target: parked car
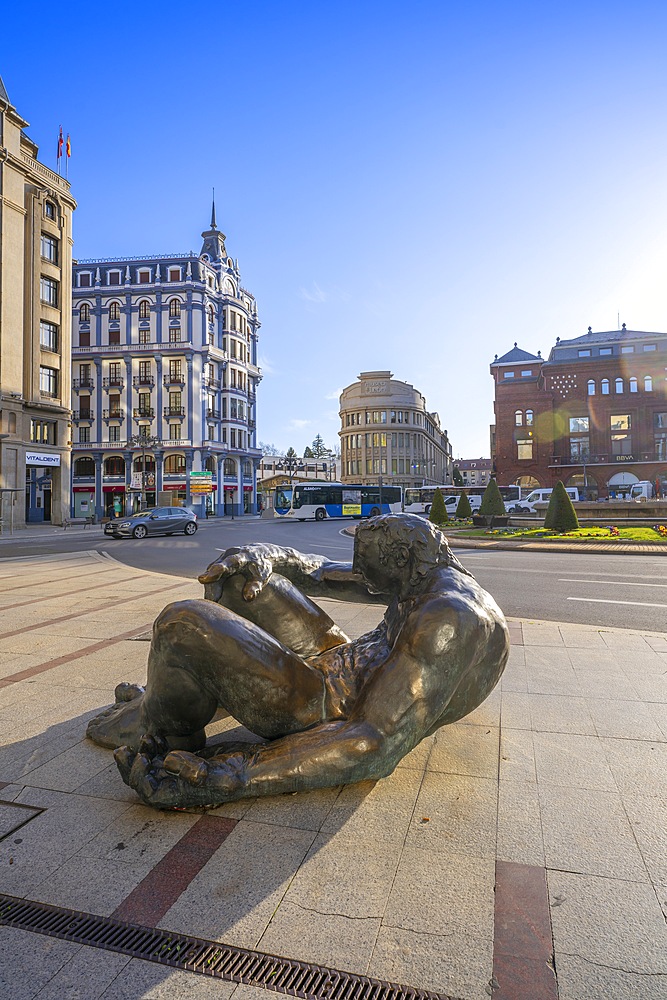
(527, 506)
(154, 521)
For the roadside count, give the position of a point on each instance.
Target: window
(584, 354)
(606, 350)
(114, 373)
(527, 373)
(621, 440)
(648, 383)
(114, 337)
(114, 405)
(84, 280)
(84, 313)
(84, 338)
(43, 431)
(591, 387)
(174, 334)
(174, 432)
(619, 386)
(518, 418)
(48, 335)
(230, 467)
(175, 369)
(524, 449)
(650, 347)
(627, 350)
(49, 210)
(529, 418)
(174, 464)
(113, 278)
(48, 291)
(174, 309)
(144, 371)
(579, 425)
(144, 309)
(508, 375)
(174, 274)
(114, 312)
(633, 385)
(49, 248)
(114, 432)
(144, 277)
(114, 466)
(84, 467)
(605, 386)
(84, 434)
(48, 382)
(144, 336)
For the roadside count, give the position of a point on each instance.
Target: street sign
(201, 482)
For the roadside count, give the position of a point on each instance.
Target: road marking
(616, 583)
(555, 572)
(602, 600)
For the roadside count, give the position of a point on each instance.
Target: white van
(527, 506)
(451, 503)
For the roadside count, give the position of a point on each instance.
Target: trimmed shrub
(458, 478)
(561, 515)
(463, 508)
(438, 514)
(492, 502)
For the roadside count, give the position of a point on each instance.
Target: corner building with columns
(164, 382)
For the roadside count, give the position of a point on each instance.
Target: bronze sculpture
(330, 710)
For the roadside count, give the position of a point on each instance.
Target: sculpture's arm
(313, 574)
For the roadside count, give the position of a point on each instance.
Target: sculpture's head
(394, 552)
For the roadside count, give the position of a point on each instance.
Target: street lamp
(143, 441)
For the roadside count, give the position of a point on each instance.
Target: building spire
(213, 225)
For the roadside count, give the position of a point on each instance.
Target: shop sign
(41, 458)
(624, 458)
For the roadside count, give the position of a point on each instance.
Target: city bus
(321, 500)
(418, 499)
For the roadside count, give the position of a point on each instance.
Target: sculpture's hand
(178, 780)
(250, 560)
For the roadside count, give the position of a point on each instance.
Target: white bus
(321, 500)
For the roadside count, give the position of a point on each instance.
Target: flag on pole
(68, 146)
(60, 148)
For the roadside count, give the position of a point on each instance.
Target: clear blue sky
(406, 187)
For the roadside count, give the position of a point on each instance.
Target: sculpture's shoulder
(452, 603)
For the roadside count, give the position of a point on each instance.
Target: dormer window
(144, 277)
(508, 374)
(85, 280)
(113, 277)
(174, 274)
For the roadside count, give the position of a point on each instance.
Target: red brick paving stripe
(39, 578)
(522, 946)
(88, 611)
(41, 668)
(157, 893)
(66, 593)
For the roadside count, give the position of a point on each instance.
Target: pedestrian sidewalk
(518, 854)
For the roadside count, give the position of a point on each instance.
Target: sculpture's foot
(123, 724)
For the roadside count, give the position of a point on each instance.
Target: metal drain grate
(210, 958)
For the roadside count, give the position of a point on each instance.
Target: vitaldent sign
(39, 458)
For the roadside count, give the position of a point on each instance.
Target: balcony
(211, 383)
(143, 381)
(113, 415)
(174, 378)
(174, 411)
(82, 383)
(212, 413)
(78, 415)
(113, 383)
(147, 412)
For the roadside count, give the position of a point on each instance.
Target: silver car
(155, 521)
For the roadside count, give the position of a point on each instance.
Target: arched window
(529, 418)
(247, 469)
(174, 464)
(174, 308)
(144, 309)
(114, 466)
(114, 311)
(633, 385)
(137, 465)
(591, 387)
(619, 386)
(230, 467)
(211, 314)
(518, 418)
(84, 467)
(210, 464)
(605, 386)
(84, 313)
(648, 383)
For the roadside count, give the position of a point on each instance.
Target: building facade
(164, 384)
(35, 329)
(474, 471)
(594, 414)
(387, 430)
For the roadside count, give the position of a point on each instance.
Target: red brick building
(594, 414)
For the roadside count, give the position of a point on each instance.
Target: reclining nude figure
(328, 710)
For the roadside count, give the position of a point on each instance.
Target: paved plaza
(519, 854)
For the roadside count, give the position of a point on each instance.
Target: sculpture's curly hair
(427, 545)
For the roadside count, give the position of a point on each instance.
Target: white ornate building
(386, 430)
(164, 350)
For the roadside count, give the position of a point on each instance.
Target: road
(595, 589)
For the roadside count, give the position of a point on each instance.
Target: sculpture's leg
(283, 611)
(202, 657)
